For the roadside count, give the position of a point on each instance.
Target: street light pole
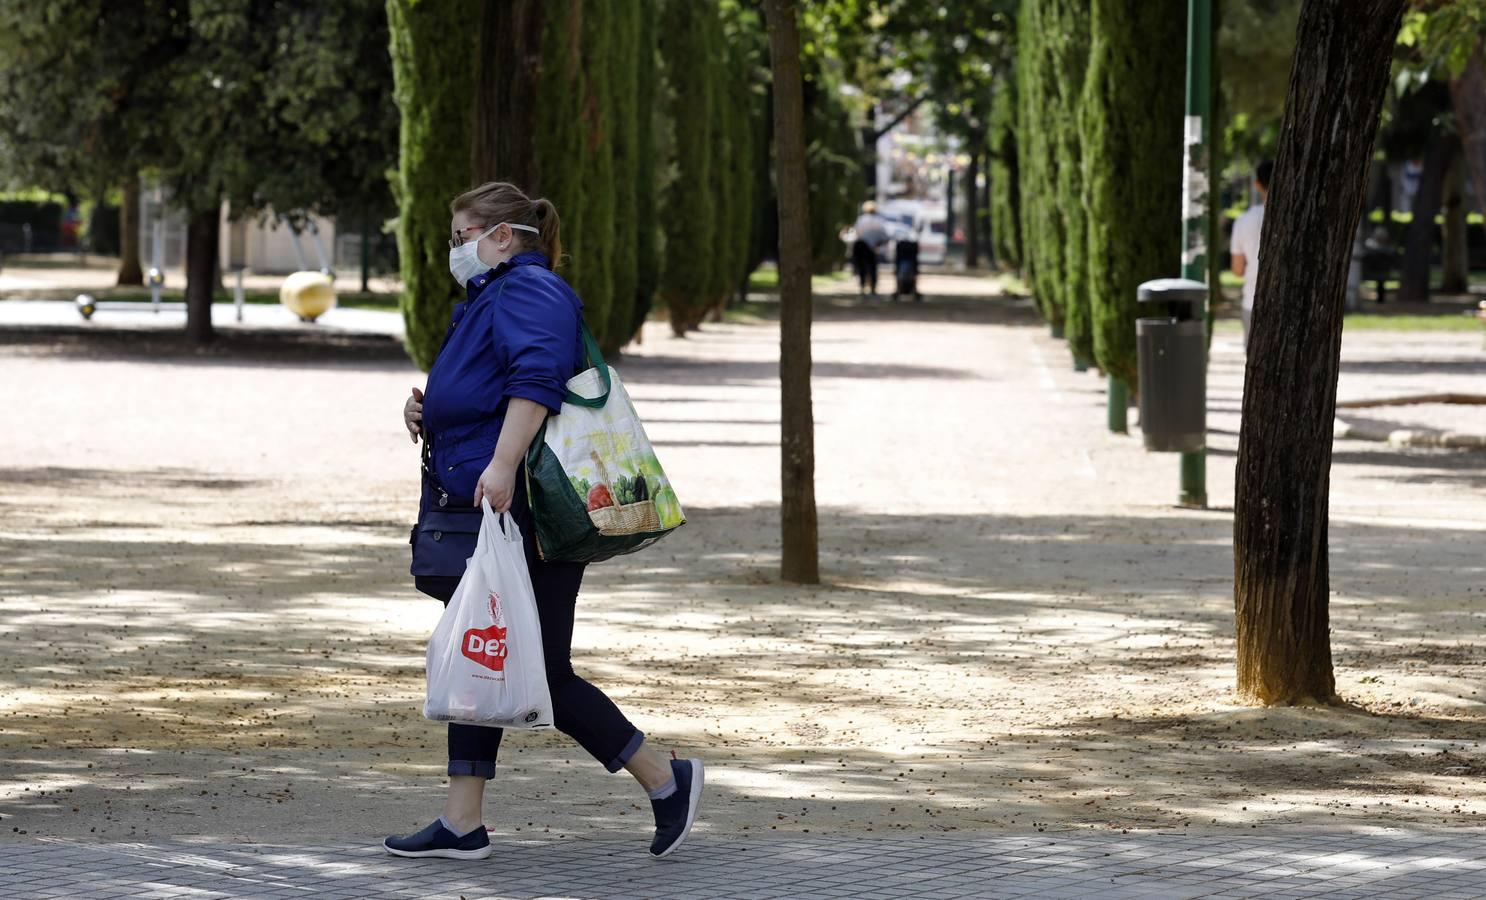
(1198, 192)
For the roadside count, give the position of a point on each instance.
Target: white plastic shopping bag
(485, 663)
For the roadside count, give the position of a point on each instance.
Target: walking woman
(502, 370)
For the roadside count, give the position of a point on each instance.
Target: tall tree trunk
(1343, 52)
(130, 272)
(508, 77)
(1456, 269)
(1468, 97)
(972, 212)
(202, 237)
(1418, 246)
(797, 418)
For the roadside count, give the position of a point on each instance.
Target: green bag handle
(594, 357)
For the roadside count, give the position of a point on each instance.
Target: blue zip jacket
(518, 335)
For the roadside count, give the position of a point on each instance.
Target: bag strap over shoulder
(593, 358)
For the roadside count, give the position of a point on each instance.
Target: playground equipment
(308, 295)
(154, 279)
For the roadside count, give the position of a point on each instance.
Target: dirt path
(209, 630)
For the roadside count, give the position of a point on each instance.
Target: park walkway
(1053, 866)
(1020, 659)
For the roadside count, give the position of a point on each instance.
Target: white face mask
(465, 262)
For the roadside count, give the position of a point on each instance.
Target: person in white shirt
(1243, 246)
(871, 233)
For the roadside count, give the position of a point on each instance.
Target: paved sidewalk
(1441, 865)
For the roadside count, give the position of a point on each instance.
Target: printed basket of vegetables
(596, 488)
(620, 507)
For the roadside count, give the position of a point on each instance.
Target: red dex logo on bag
(487, 646)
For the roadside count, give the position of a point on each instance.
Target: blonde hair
(497, 201)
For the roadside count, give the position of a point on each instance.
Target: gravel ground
(210, 631)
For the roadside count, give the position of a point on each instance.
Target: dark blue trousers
(581, 711)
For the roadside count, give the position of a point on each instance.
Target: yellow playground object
(308, 295)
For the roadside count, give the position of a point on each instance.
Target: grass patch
(766, 280)
(1371, 322)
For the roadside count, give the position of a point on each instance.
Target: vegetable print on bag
(597, 489)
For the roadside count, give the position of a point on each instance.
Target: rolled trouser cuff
(627, 753)
(479, 768)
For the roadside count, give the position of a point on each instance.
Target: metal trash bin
(1172, 346)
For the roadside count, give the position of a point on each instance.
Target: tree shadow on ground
(165, 663)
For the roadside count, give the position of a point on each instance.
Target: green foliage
(559, 132)
(1042, 240)
(431, 43)
(723, 183)
(1006, 195)
(647, 249)
(687, 214)
(1444, 34)
(1067, 45)
(1255, 41)
(834, 158)
(594, 279)
(1130, 121)
(736, 119)
(624, 66)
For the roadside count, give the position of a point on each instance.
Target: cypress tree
(647, 250)
(558, 137)
(724, 160)
(1067, 43)
(431, 44)
(1005, 173)
(1131, 128)
(595, 278)
(744, 126)
(624, 62)
(687, 216)
(1040, 248)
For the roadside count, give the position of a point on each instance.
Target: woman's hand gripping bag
(485, 664)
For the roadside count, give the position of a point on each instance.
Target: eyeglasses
(458, 239)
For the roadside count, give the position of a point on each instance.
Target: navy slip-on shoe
(438, 841)
(675, 815)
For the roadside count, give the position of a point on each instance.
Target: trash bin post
(1172, 345)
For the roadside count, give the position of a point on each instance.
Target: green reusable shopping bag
(595, 486)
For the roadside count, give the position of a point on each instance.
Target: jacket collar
(530, 258)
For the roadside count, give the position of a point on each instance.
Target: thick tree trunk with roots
(202, 232)
(1281, 584)
(797, 418)
(129, 271)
